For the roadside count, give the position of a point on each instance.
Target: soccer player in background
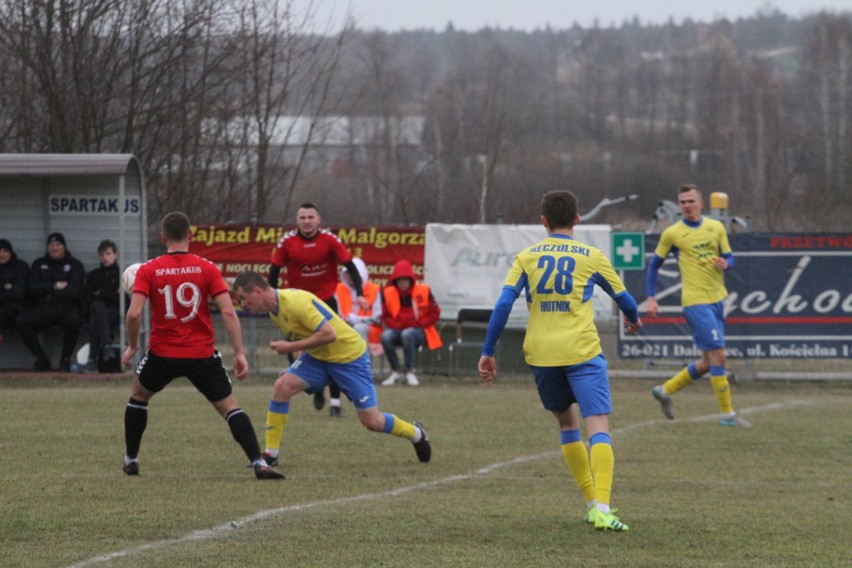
(330, 349)
(310, 256)
(562, 346)
(177, 284)
(703, 253)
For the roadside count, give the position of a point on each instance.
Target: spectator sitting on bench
(102, 298)
(409, 312)
(13, 285)
(55, 291)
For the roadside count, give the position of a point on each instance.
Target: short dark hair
(249, 280)
(559, 208)
(689, 187)
(309, 205)
(176, 226)
(107, 244)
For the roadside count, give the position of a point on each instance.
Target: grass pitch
(495, 494)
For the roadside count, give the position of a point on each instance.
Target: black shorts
(207, 375)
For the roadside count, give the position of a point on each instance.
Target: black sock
(135, 421)
(243, 433)
(333, 389)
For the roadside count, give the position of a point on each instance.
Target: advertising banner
(466, 265)
(237, 248)
(790, 296)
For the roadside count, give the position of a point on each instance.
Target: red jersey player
(177, 285)
(311, 256)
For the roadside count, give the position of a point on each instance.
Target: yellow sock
(602, 464)
(723, 393)
(276, 419)
(577, 459)
(398, 427)
(679, 381)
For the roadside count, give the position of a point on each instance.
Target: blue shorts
(707, 322)
(355, 378)
(585, 383)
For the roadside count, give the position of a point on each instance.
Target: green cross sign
(628, 251)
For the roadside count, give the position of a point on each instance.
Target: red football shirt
(311, 264)
(177, 286)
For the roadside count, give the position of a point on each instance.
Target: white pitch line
(237, 524)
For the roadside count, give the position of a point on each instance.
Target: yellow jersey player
(562, 346)
(330, 350)
(703, 253)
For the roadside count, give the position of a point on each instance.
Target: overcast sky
(469, 15)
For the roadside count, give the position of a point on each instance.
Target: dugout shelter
(88, 198)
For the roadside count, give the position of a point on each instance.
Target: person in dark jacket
(55, 291)
(102, 297)
(14, 273)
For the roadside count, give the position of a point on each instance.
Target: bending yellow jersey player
(330, 350)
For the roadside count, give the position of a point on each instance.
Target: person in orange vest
(409, 312)
(367, 322)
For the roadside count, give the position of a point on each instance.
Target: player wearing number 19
(177, 285)
(562, 346)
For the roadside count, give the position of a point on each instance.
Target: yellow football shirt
(300, 314)
(697, 248)
(558, 275)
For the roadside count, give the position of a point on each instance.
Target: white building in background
(337, 141)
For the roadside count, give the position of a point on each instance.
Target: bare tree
(398, 176)
(286, 73)
(467, 122)
(104, 76)
(828, 76)
(238, 108)
(64, 58)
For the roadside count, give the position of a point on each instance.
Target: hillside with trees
(241, 110)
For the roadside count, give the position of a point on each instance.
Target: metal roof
(66, 164)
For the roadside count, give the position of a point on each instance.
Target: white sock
(603, 508)
(335, 402)
(418, 434)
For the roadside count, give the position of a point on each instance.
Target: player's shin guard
(719, 382)
(276, 419)
(602, 464)
(243, 433)
(577, 459)
(135, 421)
(397, 427)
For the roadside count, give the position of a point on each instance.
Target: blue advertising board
(789, 296)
